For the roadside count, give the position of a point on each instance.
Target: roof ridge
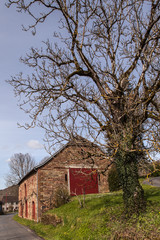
(74, 141)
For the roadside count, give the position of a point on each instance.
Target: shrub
(155, 173)
(113, 179)
(155, 169)
(61, 196)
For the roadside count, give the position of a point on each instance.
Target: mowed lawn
(102, 218)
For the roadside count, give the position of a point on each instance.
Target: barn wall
(49, 180)
(55, 174)
(52, 174)
(28, 197)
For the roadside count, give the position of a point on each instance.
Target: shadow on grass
(107, 202)
(152, 192)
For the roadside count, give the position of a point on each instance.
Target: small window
(66, 177)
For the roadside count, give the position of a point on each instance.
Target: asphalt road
(11, 230)
(153, 181)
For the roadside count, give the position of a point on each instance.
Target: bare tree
(102, 83)
(19, 165)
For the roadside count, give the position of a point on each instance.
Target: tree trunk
(133, 194)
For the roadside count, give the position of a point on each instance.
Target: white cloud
(8, 160)
(34, 144)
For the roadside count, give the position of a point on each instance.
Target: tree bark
(133, 193)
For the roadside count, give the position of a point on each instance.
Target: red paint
(21, 210)
(25, 190)
(26, 209)
(83, 180)
(33, 210)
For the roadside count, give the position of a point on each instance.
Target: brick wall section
(30, 197)
(51, 175)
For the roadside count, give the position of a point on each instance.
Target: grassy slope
(102, 218)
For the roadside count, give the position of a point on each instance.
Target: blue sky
(14, 43)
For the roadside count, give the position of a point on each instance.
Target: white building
(9, 203)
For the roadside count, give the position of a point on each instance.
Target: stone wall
(55, 173)
(28, 197)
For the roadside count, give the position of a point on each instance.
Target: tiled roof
(9, 199)
(75, 141)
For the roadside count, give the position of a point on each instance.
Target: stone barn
(77, 167)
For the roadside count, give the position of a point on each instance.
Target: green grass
(102, 218)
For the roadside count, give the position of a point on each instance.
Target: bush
(155, 173)
(61, 196)
(155, 169)
(113, 179)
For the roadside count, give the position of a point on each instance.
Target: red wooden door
(33, 210)
(83, 180)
